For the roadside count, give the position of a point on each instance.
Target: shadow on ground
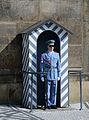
(14, 113)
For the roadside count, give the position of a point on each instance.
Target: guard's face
(50, 47)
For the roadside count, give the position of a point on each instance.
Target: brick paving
(71, 113)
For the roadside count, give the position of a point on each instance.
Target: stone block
(10, 54)
(10, 76)
(76, 27)
(3, 93)
(6, 77)
(86, 47)
(25, 10)
(11, 93)
(10, 87)
(74, 90)
(7, 29)
(2, 47)
(86, 10)
(4, 9)
(47, 8)
(85, 91)
(4, 40)
(61, 9)
(10, 60)
(21, 26)
(10, 57)
(86, 58)
(85, 33)
(19, 10)
(75, 56)
(69, 9)
(15, 93)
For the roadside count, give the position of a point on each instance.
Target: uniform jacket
(50, 63)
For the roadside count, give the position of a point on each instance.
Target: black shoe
(54, 107)
(49, 107)
(43, 107)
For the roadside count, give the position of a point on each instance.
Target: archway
(41, 47)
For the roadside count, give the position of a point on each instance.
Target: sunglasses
(51, 45)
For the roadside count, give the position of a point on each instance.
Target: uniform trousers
(51, 92)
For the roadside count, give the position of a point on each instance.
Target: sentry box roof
(48, 23)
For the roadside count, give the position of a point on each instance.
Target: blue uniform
(50, 63)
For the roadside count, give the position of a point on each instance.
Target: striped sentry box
(29, 61)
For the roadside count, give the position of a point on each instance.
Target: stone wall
(16, 15)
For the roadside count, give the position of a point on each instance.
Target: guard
(50, 63)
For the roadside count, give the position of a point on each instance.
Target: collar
(50, 51)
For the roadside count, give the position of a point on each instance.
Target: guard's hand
(58, 78)
(42, 79)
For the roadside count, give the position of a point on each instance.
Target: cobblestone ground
(71, 113)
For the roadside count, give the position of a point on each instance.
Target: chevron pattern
(29, 62)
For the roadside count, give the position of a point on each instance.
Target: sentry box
(33, 45)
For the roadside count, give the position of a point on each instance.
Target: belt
(51, 67)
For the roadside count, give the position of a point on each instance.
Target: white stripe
(34, 95)
(33, 103)
(25, 57)
(25, 41)
(25, 87)
(33, 68)
(30, 99)
(34, 86)
(24, 79)
(52, 26)
(25, 84)
(35, 34)
(25, 67)
(32, 58)
(40, 30)
(45, 27)
(30, 91)
(35, 78)
(64, 49)
(64, 93)
(25, 60)
(64, 101)
(32, 40)
(64, 58)
(29, 78)
(63, 32)
(26, 95)
(32, 49)
(66, 65)
(64, 40)
(56, 31)
(64, 83)
(30, 64)
(61, 46)
(64, 75)
(24, 52)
